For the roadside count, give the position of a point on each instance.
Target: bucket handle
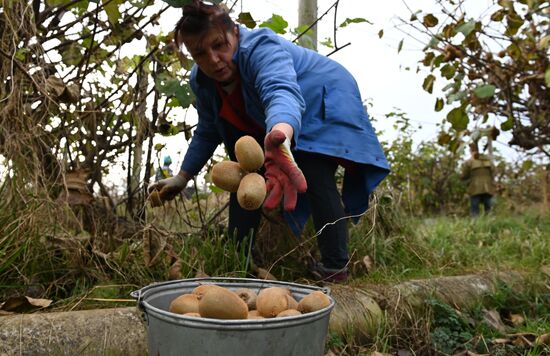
(137, 295)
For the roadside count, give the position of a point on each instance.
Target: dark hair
(198, 18)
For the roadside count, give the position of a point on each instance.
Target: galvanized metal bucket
(174, 334)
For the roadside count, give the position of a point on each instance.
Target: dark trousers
(477, 200)
(326, 208)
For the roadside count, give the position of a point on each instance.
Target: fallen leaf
(522, 339)
(492, 319)
(500, 341)
(368, 262)
(23, 303)
(543, 339)
(517, 319)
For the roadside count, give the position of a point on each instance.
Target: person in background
(165, 171)
(303, 108)
(479, 172)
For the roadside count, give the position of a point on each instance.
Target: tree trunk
(118, 331)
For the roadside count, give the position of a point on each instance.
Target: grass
(412, 248)
(37, 249)
(449, 246)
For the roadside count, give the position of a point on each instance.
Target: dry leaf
(523, 339)
(517, 319)
(23, 303)
(543, 339)
(175, 270)
(55, 86)
(264, 274)
(500, 341)
(201, 274)
(70, 94)
(369, 263)
(154, 245)
(492, 318)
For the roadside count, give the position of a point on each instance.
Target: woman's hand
(169, 188)
(284, 179)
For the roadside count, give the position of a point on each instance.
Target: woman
(307, 111)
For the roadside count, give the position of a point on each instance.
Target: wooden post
(307, 15)
(544, 181)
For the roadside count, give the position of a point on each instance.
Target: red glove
(283, 176)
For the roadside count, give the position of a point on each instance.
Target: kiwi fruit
(227, 175)
(292, 303)
(314, 301)
(255, 317)
(252, 191)
(194, 315)
(249, 153)
(248, 296)
(271, 301)
(203, 288)
(253, 313)
(154, 198)
(221, 303)
(288, 312)
(185, 303)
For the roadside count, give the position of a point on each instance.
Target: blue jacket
(318, 97)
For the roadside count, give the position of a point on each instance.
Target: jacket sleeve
(206, 139)
(271, 67)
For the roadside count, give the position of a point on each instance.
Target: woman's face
(213, 53)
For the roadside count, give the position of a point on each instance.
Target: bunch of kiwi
(216, 302)
(241, 176)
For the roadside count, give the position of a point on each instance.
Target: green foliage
(182, 3)
(452, 330)
(426, 176)
(111, 8)
(174, 87)
(484, 91)
(449, 330)
(458, 118)
(245, 18)
(353, 20)
(276, 23)
(494, 61)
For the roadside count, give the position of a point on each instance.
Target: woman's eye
(218, 45)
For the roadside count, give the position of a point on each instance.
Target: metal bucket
(174, 334)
